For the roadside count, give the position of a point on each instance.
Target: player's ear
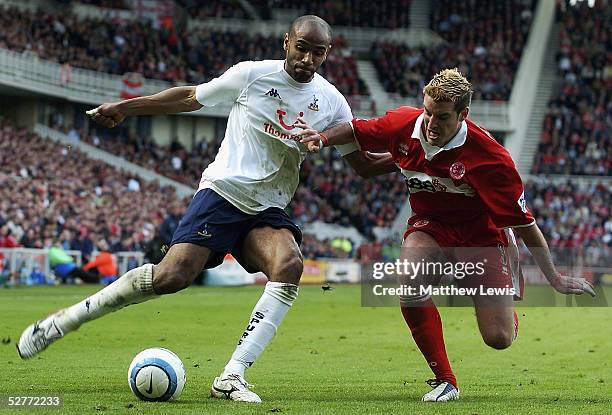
(286, 42)
(463, 114)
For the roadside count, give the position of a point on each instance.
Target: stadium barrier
(27, 266)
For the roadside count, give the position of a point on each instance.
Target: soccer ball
(156, 374)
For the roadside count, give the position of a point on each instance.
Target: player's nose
(307, 59)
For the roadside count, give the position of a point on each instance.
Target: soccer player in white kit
(239, 204)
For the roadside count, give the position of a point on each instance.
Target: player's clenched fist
(107, 115)
(572, 285)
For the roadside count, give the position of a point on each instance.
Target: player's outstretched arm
(338, 135)
(368, 164)
(169, 101)
(535, 241)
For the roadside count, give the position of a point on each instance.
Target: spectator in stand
(105, 263)
(170, 224)
(7, 240)
(83, 243)
(64, 267)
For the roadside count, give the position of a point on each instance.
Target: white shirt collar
(430, 151)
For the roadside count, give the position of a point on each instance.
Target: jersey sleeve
(342, 114)
(373, 135)
(501, 189)
(225, 88)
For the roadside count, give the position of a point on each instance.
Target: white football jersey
(258, 164)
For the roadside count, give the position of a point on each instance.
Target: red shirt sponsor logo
(286, 126)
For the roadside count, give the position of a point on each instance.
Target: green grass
(331, 356)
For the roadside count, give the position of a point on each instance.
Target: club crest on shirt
(313, 106)
(457, 170)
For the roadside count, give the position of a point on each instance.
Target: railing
(26, 71)
(18, 264)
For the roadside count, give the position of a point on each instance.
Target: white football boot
(442, 392)
(38, 336)
(233, 387)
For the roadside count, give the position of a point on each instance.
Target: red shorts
(477, 241)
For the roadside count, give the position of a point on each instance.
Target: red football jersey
(471, 176)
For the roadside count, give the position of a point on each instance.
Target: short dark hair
(310, 18)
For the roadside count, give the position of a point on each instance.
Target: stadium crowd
(172, 161)
(389, 14)
(52, 194)
(577, 130)
(225, 9)
(484, 42)
(117, 47)
(575, 217)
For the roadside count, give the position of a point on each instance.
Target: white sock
(135, 286)
(267, 315)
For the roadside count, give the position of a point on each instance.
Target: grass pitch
(330, 356)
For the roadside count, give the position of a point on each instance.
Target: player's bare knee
(498, 339)
(174, 276)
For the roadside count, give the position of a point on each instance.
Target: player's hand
(572, 285)
(107, 115)
(309, 136)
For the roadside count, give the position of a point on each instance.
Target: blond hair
(449, 85)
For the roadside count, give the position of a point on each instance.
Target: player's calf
(287, 270)
(496, 320)
(174, 277)
(179, 268)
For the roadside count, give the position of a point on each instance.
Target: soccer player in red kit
(465, 192)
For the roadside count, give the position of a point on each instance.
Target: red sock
(426, 327)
